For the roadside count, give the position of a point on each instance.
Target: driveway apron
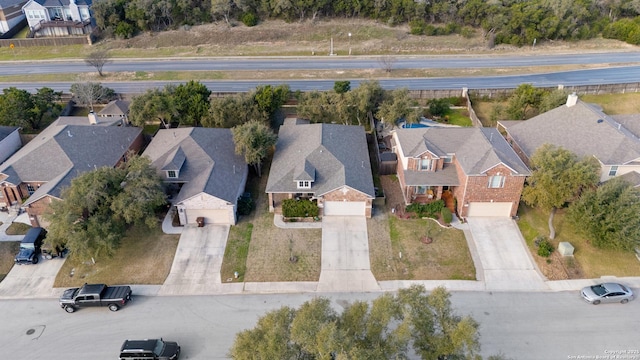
(506, 263)
(196, 265)
(32, 281)
(345, 255)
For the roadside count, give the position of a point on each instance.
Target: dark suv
(30, 246)
(156, 349)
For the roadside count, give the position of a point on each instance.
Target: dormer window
(304, 184)
(172, 174)
(425, 164)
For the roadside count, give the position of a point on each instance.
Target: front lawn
(588, 262)
(8, 251)
(144, 257)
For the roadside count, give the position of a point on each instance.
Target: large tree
(91, 217)
(46, 108)
(558, 177)
(254, 140)
(608, 215)
(192, 102)
(271, 98)
(153, 105)
(31, 111)
(90, 93)
(385, 329)
(230, 111)
(524, 102)
(396, 106)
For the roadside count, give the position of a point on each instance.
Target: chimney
(93, 119)
(572, 99)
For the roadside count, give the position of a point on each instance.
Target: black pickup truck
(95, 295)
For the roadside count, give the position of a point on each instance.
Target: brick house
(324, 162)
(206, 174)
(613, 140)
(36, 174)
(474, 166)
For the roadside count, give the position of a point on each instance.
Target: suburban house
(54, 18)
(9, 141)
(473, 166)
(10, 14)
(324, 162)
(37, 173)
(585, 130)
(204, 175)
(116, 110)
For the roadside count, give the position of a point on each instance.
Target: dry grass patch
(397, 252)
(144, 257)
(8, 251)
(588, 261)
(615, 104)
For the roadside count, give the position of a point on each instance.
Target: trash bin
(200, 221)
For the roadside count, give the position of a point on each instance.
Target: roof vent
(572, 99)
(600, 121)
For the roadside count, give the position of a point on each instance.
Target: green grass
(236, 251)
(593, 262)
(459, 117)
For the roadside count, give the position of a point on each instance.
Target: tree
(341, 87)
(192, 102)
(15, 107)
(558, 177)
(92, 215)
(230, 111)
(98, 59)
(222, 8)
(439, 107)
(608, 216)
(384, 329)
(396, 106)
(89, 93)
(386, 62)
(270, 99)
(253, 140)
(46, 107)
(523, 100)
(552, 100)
(153, 105)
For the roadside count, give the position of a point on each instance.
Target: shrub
(439, 107)
(446, 215)
(299, 208)
(544, 246)
(249, 19)
(431, 209)
(245, 205)
(417, 26)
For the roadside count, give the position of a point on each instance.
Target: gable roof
(205, 158)
(331, 155)
(476, 149)
(63, 151)
(62, 3)
(115, 108)
(9, 3)
(582, 129)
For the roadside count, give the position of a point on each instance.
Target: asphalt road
(321, 63)
(520, 326)
(609, 75)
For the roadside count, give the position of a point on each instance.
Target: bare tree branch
(98, 59)
(387, 62)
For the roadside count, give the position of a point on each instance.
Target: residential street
(519, 325)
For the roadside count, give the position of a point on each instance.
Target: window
(172, 174)
(448, 159)
(304, 184)
(30, 189)
(425, 164)
(421, 190)
(496, 181)
(613, 171)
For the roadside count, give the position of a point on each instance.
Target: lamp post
(349, 44)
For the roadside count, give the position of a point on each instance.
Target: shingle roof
(115, 108)
(476, 149)
(632, 178)
(338, 154)
(62, 151)
(206, 159)
(582, 129)
(8, 3)
(62, 3)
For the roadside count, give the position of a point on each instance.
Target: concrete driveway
(345, 255)
(32, 281)
(196, 265)
(505, 261)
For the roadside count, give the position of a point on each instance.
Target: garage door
(210, 216)
(489, 209)
(344, 208)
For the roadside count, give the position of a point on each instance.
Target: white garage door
(210, 216)
(344, 208)
(489, 209)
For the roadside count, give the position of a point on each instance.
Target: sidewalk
(6, 219)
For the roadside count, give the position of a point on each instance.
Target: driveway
(32, 281)
(505, 261)
(196, 265)
(345, 255)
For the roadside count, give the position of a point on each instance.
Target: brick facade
(478, 190)
(347, 194)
